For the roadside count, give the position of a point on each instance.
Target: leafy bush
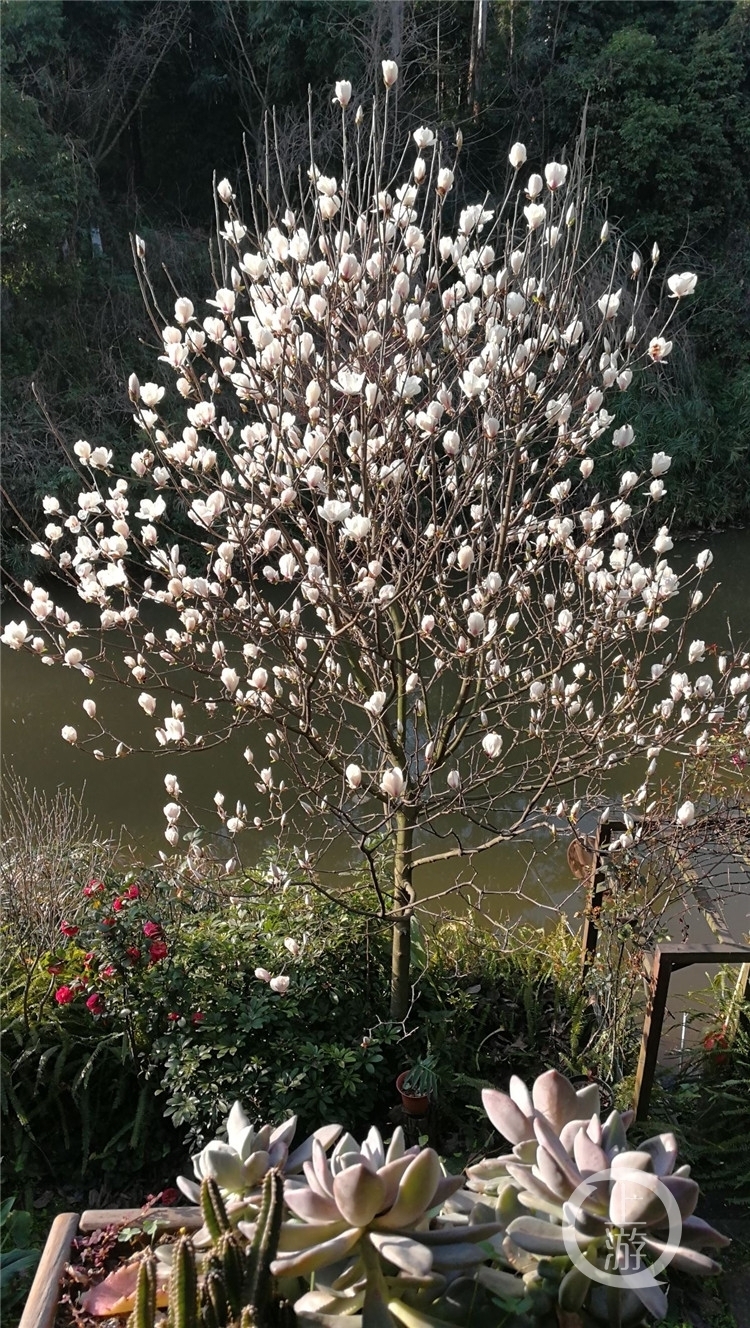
(151, 1007)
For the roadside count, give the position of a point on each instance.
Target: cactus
(212, 1206)
(183, 1287)
(144, 1311)
(258, 1279)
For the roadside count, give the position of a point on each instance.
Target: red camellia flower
(93, 887)
(152, 930)
(64, 995)
(68, 929)
(95, 1003)
(133, 892)
(169, 1197)
(173, 1016)
(133, 953)
(107, 922)
(55, 968)
(158, 951)
(87, 958)
(717, 1044)
(109, 972)
(117, 904)
(198, 1017)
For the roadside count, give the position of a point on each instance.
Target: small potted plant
(418, 1086)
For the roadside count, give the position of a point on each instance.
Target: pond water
(534, 879)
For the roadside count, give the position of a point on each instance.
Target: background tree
(397, 569)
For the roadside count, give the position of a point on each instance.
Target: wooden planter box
(40, 1309)
(41, 1306)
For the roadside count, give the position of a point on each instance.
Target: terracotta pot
(413, 1106)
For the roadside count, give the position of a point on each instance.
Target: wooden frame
(667, 958)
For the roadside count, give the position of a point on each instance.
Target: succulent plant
(239, 1165)
(582, 1186)
(363, 1221)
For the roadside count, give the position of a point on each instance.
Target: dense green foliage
(134, 1037)
(115, 116)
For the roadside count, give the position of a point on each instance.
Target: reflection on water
(521, 879)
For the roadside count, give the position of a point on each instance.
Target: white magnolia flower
(663, 542)
(555, 174)
(686, 814)
(357, 526)
(349, 382)
(90, 707)
(696, 652)
(704, 560)
(393, 783)
(658, 349)
(147, 703)
(390, 72)
(536, 691)
(14, 635)
(444, 181)
(259, 679)
(230, 680)
(69, 733)
(332, 510)
(353, 776)
(517, 155)
(609, 303)
(453, 780)
(263, 975)
(376, 704)
(657, 490)
(280, 984)
(535, 214)
(660, 463)
(224, 190)
(475, 624)
(343, 92)
(183, 310)
(424, 137)
(624, 436)
(173, 812)
(534, 186)
(292, 946)
(682, 283)
(492, 744)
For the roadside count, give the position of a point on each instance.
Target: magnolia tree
(400, 577)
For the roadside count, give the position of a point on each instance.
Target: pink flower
(158, 951)
(87, 958)
(173, 1016)
(68, 929)
(117, 904)
(198, 1017)
(133, 892)
(109, 972)
(95, 1003)
(152, 930)
(93, 887)
(64, 995)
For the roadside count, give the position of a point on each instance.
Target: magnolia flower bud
(517, 155)
(343, 93)
(69, 733)
(353, 776)
(686, 814)
(263, 975)
(280, 985)
(393, 783)
(390, 72)
(224, 190)
(493, 745)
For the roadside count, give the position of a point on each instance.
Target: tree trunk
(403, 902)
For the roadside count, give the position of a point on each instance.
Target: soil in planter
(93, 1256)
